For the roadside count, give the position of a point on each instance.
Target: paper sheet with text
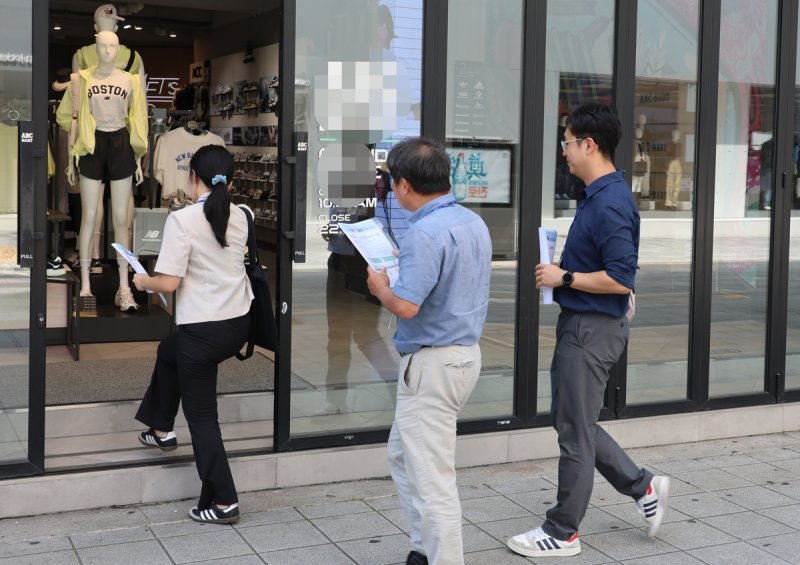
(547, 252)
(128, 255)
(373, 244)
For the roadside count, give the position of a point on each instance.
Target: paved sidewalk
(734, 501)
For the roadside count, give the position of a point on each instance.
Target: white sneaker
(654, 503)
(536, 543)
(124, 300)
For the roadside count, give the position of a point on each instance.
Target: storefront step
(110, 417)
(57, 492)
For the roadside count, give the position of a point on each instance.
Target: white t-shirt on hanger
(173, 152)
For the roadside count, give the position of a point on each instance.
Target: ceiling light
(173, 35)
(57, 27)
(137, 28)
(127, 26)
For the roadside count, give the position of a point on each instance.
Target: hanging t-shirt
(109, 99)
(173, 152)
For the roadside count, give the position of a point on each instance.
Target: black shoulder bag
(263, 331)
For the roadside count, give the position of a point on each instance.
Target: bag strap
(131, 59)
(252, 263)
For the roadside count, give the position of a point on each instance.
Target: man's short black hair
(599, 122)
(423, 163)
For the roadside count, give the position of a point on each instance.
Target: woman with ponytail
(202, 257)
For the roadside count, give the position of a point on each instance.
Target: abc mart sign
(15, 60)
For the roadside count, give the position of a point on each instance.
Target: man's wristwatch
(567, 279)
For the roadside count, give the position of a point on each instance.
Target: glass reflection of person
(384, 29)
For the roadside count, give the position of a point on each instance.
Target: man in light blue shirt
(440, 299)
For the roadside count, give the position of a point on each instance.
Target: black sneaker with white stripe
(214, 515)
(167, 443)
(536, 543)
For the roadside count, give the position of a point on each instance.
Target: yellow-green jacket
(136, 120)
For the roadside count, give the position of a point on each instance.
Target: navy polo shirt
(604, 236)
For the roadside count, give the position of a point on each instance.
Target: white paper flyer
(373, 244)
(128, 255)
(547, 251)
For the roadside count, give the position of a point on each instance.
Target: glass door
(20, 450)
(356, 93)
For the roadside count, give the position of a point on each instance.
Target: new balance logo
(152, 234)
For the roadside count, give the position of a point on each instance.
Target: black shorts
(112, 159)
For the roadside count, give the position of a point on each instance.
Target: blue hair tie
(219, 179)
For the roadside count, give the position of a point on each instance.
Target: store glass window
(665, 116)
(579, 69)
(743, 196)
(357, 90)
(15, 281)
(484, 70)
(793, 311)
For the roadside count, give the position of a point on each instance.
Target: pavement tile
(787, 488)
(739, 553)
(15, 529)
(791, 465)
(476, 539)
(763, 473)
(501, 530)
(468, 492)
(28, 547)
(398, 518)
(538, 502)
(167, 512)
(333, 509)
(206, 546)
(186, 527)
(268, 517)
(596, 520)
(628, 513)
(110, 537)
(379, 550)
(275, 537)
(683, 466)
(789, 515)
(747, 525)
(251, 559)
(495, 557)
(528, 484)
(785, 547)
(712, 479)
(666, 559)
(755, 498)
(604, 494)
(731, 460)
(626, 544)
(774, 454)
(355, 526)
(384, 502)
(135, 553)
(52, 558)
(491, 508)
(691, 534)
(327, 554)
(703, 504)
(587, 556)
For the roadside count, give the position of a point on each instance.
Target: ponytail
(213, 165)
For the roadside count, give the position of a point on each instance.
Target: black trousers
(186, 371)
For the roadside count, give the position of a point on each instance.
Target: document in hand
(547, 251)
(373, 244)
(128, 255)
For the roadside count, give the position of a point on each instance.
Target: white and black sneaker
(213, 515)
(55, 268)
(166, 443)
(654, 503)
(96, 267)
(536, 543)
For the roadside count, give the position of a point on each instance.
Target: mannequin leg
(91, 194)
(95, 267)
(120, 200)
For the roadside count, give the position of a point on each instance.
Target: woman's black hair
(213, 165)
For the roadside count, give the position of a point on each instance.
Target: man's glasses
(564, 143)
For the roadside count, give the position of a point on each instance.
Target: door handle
(300, 196)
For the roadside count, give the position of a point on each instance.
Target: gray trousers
(587, 345)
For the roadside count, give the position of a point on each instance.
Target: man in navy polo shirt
(593, 284)
(440, 299)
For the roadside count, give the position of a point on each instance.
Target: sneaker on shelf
(96, 267)
(124, 300)
(227, 89)
(273, 177)
(274, 83)
(166, 443)
(73, 260)
(536, 543)
(211, 514)
(654, 503)
(55, 268)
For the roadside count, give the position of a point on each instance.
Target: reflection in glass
(579, 68)
(15, 105)
(742, 197)
(663, 185)
(357, 92)
(793, 311)
(483, 132)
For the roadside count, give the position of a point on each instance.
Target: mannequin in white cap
(106, 111)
